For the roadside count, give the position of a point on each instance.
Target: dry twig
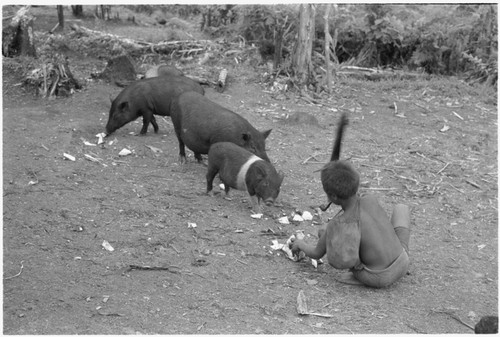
(458, 115)
(379, 188)
(472, 183)
(242, 262)
(455, 317)
(459, 190)
(136, 267)
(441, 170)
(20, 271)
(421, 106)
(313, 156)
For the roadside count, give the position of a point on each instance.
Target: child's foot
(348, 278)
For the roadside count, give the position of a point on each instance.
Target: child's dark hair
(339, 178)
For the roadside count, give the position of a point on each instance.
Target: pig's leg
(198, 157)
(226, 189)
(182, 149)
(182, 152)
(155, 125)
(147, 116)
(255, 203)
(211, 173)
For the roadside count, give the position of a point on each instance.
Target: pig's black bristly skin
(200, 123)
(487, 325)
(260, 177)
(146, 98)
(338, 141)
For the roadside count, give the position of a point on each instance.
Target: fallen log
(374, 74)
(186, 47)
(201, 80)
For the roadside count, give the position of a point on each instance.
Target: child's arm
(313, 252)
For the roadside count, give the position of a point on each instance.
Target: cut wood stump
(119, 70)
(17, 36)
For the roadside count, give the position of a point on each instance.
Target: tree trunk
(77, 10)
(60, 16)
(17, 37)
(301, 58)
(203, 20)
(327, 48)
(278, 41)
(104, 12)
(209, 16)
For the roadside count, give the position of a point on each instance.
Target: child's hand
(295, 246)
(321, 232)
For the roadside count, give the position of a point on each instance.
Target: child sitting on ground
(361, 237)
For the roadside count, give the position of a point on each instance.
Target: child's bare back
(380, 245)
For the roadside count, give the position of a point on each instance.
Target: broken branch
(455, 317)
(136, 267)
(472, 183)
(441, 170)
(20, 271)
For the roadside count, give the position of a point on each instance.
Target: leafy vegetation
(451, 39)
(433, 37)
(439, 39)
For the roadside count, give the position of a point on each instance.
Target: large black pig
(242, 170)
(146, 98)
(199, 123)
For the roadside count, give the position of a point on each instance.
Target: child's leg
(400, 220)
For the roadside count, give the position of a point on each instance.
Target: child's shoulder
(368, 201)
(368, 198)
(343, 218)
(371, 211)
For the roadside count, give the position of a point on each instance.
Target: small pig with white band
(240, 169)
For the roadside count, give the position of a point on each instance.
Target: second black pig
(242, 170)
(199, 123)
(146, 98)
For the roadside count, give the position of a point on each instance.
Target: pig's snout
(110, 129)
(269, 202)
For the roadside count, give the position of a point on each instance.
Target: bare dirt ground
(222, 277)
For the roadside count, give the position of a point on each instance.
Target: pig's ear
(261, 173)
(246, 137)
(266, 133)
(123, 106)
